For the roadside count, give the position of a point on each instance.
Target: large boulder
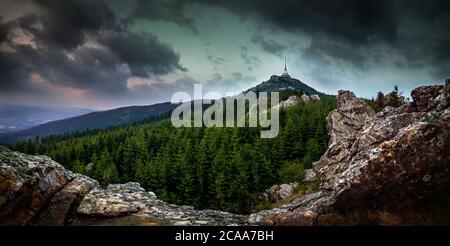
(350, 116)
(140, 207)
(26, 184)
(294, 100)
(279, 192)
(62, 208)
(38, 190)
(426, 97)
(116, 200)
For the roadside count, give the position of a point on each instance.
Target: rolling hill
(94, 120)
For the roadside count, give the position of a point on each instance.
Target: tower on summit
(285, 72)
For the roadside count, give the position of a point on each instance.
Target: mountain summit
(284, 82)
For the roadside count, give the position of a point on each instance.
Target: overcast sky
(105, 54)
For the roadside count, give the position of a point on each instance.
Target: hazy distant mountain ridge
(93, 120)
(19, 117)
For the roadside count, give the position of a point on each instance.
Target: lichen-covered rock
(294, 100)
(394, 99)
(132, 200)
(395, 158)
(310, 175)
(445, 96)
(279, 192)
(37, 190)
(282, 217)
(26, 185)
(350, 116)
(425, 98)
(61, 209)
(116, 200)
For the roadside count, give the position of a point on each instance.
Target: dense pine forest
(217, 168)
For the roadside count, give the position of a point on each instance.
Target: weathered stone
(445, 97)
(278, 192)
(425, 97)
(310, 175)
(282, 217)
(62, 207)
(116, 200)
(131, 199)
(293, 100)
(394, 99)
(382, 164)
(26, 185)
(350, 116)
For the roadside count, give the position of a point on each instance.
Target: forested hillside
(95, 120)
(219, 168)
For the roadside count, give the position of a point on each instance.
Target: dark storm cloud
(4, 29)
(427, 38)
(67, 23)
(321, 48)
(144, 53)
(268, 45)
(87, 68)
(61, 31)
(417, 29)
(353, 20)
(166, 10)
(441, 57)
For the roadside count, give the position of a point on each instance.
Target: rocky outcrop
(426, 97)
(310, 175)
(445, 96)
(131, 199)
(28, 188)
(388, 161)
(293, 100)
(393, 99)
(62, 208)
(393, 159)
(278, 192)
(350, 115)
(307, 98)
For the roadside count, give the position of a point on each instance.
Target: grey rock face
(381, 164)
(132, 199)
(426, 97)
(310, 175)
(279, 192)
(293, 100)
(350, 116)
(61, 209)
(27, 184)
